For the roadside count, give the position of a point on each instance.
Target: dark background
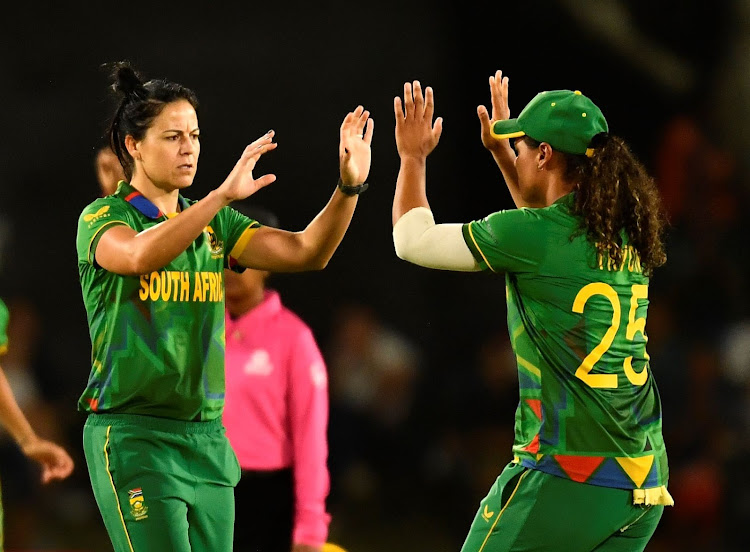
(661, 72)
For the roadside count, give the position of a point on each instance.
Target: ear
(132, 146)
(544, 157)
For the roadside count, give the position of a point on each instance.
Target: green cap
(565, 119)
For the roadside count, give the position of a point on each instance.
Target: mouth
(186, 167)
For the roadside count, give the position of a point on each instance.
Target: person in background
(54, 460)
(109, 171)
(275, 414)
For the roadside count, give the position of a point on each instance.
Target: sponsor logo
(486, 514)
(91, 218)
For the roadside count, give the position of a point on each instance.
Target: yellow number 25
(635, 325)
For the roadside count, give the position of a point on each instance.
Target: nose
(187, 146)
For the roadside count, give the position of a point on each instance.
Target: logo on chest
(259, 364)
(215, 245)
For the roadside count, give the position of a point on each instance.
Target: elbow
(403, 249)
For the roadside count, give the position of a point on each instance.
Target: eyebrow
(196, 129)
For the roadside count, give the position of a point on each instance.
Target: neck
(165, 200)
(243, 305)
(557, 188)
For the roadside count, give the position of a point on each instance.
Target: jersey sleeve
(507, 241)
(237, 230)
(4, 317)
(97, 217)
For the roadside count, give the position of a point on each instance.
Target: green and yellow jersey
(157, 339)
(4, 316)
(589, 408)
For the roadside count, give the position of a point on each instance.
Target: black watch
(351, 190)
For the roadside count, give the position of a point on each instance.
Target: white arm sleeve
(419, 240)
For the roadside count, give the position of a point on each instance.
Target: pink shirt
(276, 410)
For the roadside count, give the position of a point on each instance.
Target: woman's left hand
(354, 147)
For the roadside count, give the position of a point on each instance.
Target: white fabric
(419, 240)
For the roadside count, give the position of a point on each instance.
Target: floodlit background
(414, 448)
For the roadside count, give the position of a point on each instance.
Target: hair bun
(127, 81)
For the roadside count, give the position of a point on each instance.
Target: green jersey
(157, 339)
(4, 316)
(589, 408)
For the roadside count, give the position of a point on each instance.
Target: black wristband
(351, 190)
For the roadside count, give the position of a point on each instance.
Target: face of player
(532, 185)
(168, 154)
(243, 291)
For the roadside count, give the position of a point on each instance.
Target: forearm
(159, 245)
(411, 187)
(11, 416)
(310, 249)
(505, 159)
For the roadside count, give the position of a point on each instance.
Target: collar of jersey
(142, 203)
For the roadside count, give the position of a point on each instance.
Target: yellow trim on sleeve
(114, 490)
(473, 239)
(245, 238)
(3, 348)
(99, 231)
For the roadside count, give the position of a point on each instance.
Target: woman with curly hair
(589, 468)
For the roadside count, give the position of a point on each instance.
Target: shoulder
(103, 207)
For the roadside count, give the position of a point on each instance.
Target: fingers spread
(369, 131)
(398, 110)
(408, 100)
(418, 99)
(429, 109)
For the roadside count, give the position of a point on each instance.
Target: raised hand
(240, 182)
(355, 153)
(416, 136)
(500, 111)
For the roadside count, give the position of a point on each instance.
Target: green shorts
(162, 484)
(531, 510)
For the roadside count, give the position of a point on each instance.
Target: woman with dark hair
(151, 265)
(589, 469)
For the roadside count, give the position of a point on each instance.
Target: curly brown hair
(616, 195)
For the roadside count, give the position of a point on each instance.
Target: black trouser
(264, 511)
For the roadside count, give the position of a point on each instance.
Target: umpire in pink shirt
(276, 416)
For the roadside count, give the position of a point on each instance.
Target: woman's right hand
(240, 182)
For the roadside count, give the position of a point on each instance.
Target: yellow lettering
(197, 291)
(184, 286)
(143, 292)
(174, 276)
(166, 286)
(206, 284)
(155, 286)
(219, 276)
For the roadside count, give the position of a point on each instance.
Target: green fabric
(589, 407)
(565, 119)
(529, 510)
(157, 339)
(162, 484)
